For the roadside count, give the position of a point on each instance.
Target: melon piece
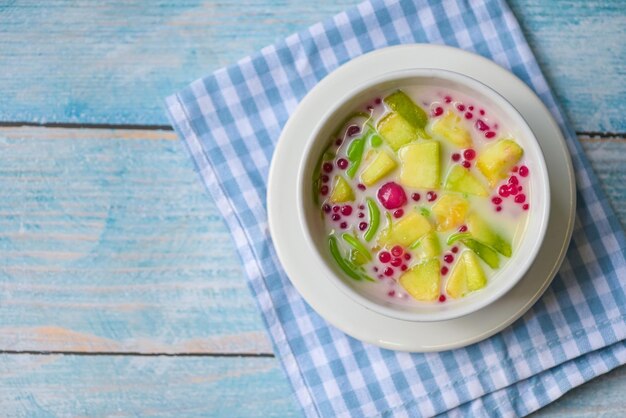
(462, 180)
(450, 211)
(449, 127)
(422, 280)
(405, 232)
(399, 102)
(420, 165)
(342, 192)
(396, 131)
(481, 231)
(428, 246)
(497, 159)
(382, 165)
(467, 276)
(486, 253)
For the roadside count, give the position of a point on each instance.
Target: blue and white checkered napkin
(231, 121)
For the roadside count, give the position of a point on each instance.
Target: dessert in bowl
(424, 195)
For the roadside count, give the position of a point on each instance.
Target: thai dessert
(424, 194)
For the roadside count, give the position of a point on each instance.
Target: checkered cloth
(230, 122)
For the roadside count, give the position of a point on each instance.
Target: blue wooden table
(120, 291)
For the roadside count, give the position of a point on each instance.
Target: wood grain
(113, 62)
(98, 386)
(64, 386)
(110, 243)
(581, 48)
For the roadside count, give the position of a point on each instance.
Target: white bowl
(502, 280)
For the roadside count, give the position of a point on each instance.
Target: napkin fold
(230, 122)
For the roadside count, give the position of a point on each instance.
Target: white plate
(339, 309)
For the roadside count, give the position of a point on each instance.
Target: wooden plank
(53, 385)
(98, 386)
(110, 243)
(580, 47)
(113, 62)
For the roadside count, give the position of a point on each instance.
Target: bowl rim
(542, 210)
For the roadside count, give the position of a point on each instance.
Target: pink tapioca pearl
(469, 154)
(396, 262)
(466, 164)
(448, 258)
(378, 100)
(407, 256)
(335, 217)
(520, 198)
(463, 228)
(471, 108)
(391, 195)
(363, 226)
(403, 267)
(324, 190)
(342, 163)
(336, 208)
(328, 167)
(346, 210)
(503, 191)
(438, 111)
(431, 196)
(339, 141)
(498, 208)
(444, 270)
(326, 208)
(325, 178)
(514, 169)
(481, 126)
(456, 156)
(523, 171)
(398, 213)
(416, 197)
(442, 298)
(468, 115)
(496, 200)
(482, 112)
(397, 251)
(361, 215)
(448, 99)
(526, 206)
(384, 257)
(461, 107)
(455, 250)
(490, 134)
(343, 225)
(388, 271)
(513, 180)
(391, 293)
(361, 186)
